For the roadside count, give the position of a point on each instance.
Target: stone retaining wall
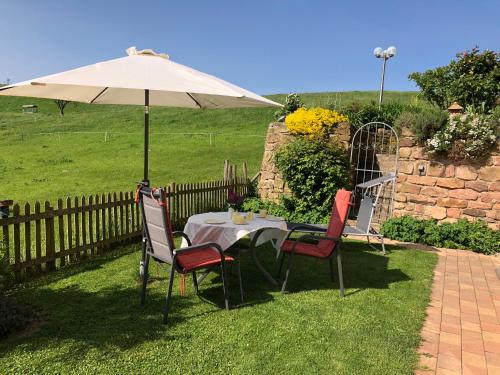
(428, 187)
(271, 184)
(431, 187)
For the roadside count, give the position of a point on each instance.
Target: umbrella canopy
(141, 78)
(123, 81)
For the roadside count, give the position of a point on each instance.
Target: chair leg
(332, 274)
(283, 287)
(383, 245)
(239, 276)
(195, 283)
(145, 277)
(225, 285)
(169, 293)
(282, 258)
(341, 277)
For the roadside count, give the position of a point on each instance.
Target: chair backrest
(340, 211)
(365, 214)
(156, 219)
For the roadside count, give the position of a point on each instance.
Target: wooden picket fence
(42, 238)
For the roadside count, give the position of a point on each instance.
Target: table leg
(253, 253)
(204, 274)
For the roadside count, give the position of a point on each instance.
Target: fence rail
(41, 238)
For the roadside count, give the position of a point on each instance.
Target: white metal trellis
(375, 153)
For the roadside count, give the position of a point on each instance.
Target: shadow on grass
(363, 268)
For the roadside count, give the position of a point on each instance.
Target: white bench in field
(30, 108)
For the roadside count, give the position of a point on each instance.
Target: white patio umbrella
(141, 78)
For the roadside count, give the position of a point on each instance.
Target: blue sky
(266, 46)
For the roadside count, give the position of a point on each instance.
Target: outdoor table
(260, 231)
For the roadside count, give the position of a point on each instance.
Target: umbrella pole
(145, 180)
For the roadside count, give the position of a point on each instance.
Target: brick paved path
(461, 334)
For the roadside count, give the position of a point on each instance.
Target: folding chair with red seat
(325, 245)
(161, 247)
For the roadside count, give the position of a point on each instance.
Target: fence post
(49, 237)
(17, 244)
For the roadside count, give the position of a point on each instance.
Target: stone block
(267, 175)
(480, 205)
(268, 156)
(407, 133)
(452, 202)
(474, 212)
(494, 186)
(450, 183)
(399, 205)
(453, 212)
(419, 153)
(406, 142)
(465, 172)
(401, 178)
(477, 185)
(422, 180)
(495, 160)
(435, 169)
(434, 191)
(272, 137)
(420, 208)
(398, 197)
(405, 152)
(489, 173)
(438, 213)
(468, 194)
(406, 167)
(449, 171)
(421, 199)
(410, 207)
(409, 188)
(490, 197)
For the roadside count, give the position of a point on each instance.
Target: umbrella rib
(98, 95)
(194, 100)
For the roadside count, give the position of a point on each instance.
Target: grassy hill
(48, 156)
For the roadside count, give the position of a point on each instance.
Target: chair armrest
(213, 245)
(184, 235)
(305, 228)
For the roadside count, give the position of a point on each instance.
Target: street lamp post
(385, 55)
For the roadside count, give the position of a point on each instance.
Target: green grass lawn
(95, 324)
(37, 166)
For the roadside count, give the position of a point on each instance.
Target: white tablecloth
(227, 234)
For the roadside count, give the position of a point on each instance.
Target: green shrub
(359, 114)
(312, 217)
(463, 234)
(314, 171)
(471, 80)
(292, 103)
(424, 122)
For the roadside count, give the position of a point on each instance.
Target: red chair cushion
(340, 209)
(322, 250)
(204, 257)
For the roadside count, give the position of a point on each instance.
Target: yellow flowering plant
(313, 122)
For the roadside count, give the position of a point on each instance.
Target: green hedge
(475, 235)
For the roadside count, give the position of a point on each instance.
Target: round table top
(227, 233)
